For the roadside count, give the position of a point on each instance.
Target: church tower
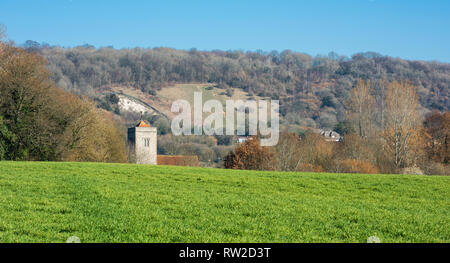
(143, 143)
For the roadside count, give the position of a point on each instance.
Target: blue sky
(408, 29)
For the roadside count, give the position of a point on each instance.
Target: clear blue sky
(410, 29)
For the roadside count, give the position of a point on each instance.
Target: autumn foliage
(437, 126)
(250, 155)
(42, 122)
(357, 166)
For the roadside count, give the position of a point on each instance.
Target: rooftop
(142, 124)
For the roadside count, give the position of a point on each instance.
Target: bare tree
(288, 152)
(362, 110)
(402, 125)
(380, 97)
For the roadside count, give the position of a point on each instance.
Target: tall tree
(362, 108)
(380, 97)
(6, 138)
(39, 121)
(403, 130)
(287, 152)
(25, 90)
(437, 126)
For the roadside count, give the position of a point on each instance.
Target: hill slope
(161, 102)
(312, 90)
(48, 202)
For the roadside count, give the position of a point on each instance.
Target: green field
(49, 202)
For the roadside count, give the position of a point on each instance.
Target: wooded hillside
(313, 91)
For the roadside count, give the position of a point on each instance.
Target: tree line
(395, 119)
(394, 138)
(312, 90)
(41, 122)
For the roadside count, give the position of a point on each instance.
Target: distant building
(242, 139)
(143, 143)
(330, 136)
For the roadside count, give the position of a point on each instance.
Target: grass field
(49, 202)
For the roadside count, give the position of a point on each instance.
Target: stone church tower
(142, 142)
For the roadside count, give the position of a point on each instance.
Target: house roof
(142, 124)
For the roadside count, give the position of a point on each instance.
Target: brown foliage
(396, 143)
(355, 147)
(249, 155)
(357, 166)
(434, 168)
(293, 77)
(47, 122)
(437, 126)
(92, 135)
(314, 150)
(403, 133)
(361, 107)
(307, 167)
(310, 153)
(412, 170)
(287, 152)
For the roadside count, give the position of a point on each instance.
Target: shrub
(412, 170)
(287, 152)
(344, 128)
(357, 166)
(307, 167)
(249, 155)
(315, 150)
(434, 168)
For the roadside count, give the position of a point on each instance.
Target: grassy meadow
(49, 202)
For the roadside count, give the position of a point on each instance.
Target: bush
(221, 152)
(412, 170)
(6, 137)
(357, 166)
(434, 168)
(307, 167)
(249, 155)
(344, 128)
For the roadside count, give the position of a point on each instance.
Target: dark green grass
(49, 202)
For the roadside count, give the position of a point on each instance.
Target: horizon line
(259, 51)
